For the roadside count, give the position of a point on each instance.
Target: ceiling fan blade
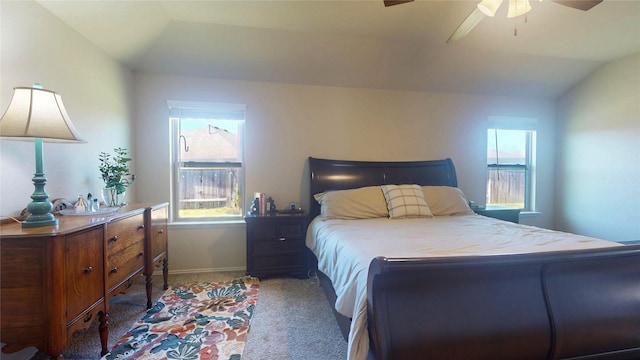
(395, 2)
(579, 4)
(467, 25)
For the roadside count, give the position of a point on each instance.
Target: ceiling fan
(490, 7)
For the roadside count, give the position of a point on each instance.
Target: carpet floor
(292, 320)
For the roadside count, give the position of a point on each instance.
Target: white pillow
(405, 201)
(362, 203)
(446, 200)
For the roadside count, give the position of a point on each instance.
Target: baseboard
(199, 271)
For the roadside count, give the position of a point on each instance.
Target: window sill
(530, 213)
(200, 224)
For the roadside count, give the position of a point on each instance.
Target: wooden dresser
(55, 281)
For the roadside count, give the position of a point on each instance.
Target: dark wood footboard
(562, 305)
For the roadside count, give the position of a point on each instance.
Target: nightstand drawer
(276, 263)
(290, 231)
(277, 246)
(281, 232)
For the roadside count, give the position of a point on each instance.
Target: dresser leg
(103, 327)
(165, 273)
(149, 287)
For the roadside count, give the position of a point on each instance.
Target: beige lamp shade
(37, 113)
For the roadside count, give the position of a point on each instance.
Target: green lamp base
(40, 208)
(34, 221)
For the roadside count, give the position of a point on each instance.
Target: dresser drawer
(125, 262)
(158, 231)
(130, 229)
(84, 272)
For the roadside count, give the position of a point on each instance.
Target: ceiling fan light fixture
(518, 7)
(489, 7)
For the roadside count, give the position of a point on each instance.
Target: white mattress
(345, 248)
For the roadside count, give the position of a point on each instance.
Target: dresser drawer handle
(88, 269)
(161, 231)
(114, 238)
(141, 227)
(113, 270)
(282, 238)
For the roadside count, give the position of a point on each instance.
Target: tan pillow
(362, 203)
(446, 200)
(405, 201)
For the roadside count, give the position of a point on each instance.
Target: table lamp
(38, 114)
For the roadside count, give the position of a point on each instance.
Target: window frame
(528, 127)
(180, 110)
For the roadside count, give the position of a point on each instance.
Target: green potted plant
(116, 174)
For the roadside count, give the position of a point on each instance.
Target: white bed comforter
(345, 248)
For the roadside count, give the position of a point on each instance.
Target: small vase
(112, 198)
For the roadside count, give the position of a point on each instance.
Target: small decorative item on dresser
(112, 198)
(272, 206)
(255, 206)
(80, 205)
(117, 176)
(95, 205)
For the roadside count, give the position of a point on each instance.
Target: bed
(563, 296)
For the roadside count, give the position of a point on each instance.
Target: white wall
(599, 154)
(38, 48)
(286, 124)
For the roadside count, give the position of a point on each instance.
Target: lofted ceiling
(361, 43)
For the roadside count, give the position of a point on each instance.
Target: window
(207, 156)
(510, 168)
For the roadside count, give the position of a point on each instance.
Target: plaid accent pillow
(405, 201)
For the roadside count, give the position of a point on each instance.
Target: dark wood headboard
(346, 174)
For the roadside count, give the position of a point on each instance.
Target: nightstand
(499, 212)
(275, 245)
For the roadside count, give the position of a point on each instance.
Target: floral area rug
(206, 321)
